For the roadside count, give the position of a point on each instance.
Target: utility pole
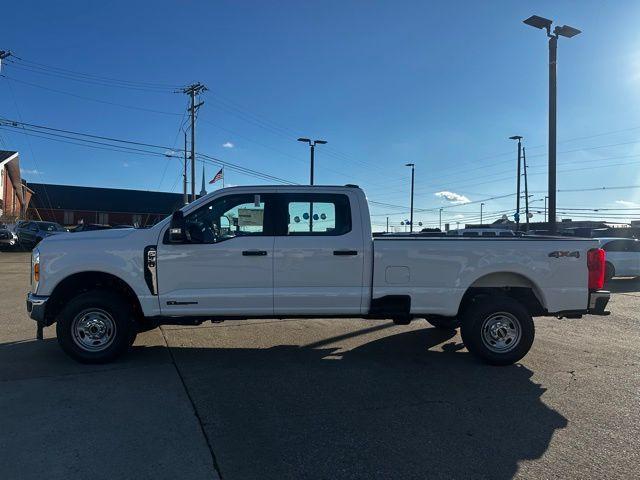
(4, 54)
(567, 32)
(440, 219)
(185, 198)
(526, 188)
(481, 205)
(517, 214)
(545, 208)
(387, 229)
(193, 90)
(413, 174)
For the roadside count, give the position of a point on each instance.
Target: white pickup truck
(304, 251)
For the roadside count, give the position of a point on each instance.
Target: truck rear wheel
(95, 327)
(499, 330)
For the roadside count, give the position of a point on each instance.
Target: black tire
(94, 310)
(609, 271)
(513, 332)
(444, 323)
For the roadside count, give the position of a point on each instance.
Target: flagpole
(222, 177)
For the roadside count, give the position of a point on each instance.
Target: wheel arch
(81, 282)
(509, 284)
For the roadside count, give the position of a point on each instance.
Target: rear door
(318, 255)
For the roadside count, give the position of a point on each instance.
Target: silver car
(7, 237)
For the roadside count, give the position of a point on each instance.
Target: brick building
(14, 195)
(71, 205)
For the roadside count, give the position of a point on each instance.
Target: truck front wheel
(499, 330)
(95, 327)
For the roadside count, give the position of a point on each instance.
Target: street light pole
(517, 214)
(312, 145)
(568, 32)
(526, 189)
(413, 171)
(481, 205)
(440, 219)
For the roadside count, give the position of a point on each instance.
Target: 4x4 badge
(558, 254)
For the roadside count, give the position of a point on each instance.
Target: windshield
(50, 227)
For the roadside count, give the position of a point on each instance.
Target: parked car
(90, 227)
(7, 237)
(304, 251)
(31, 233)
(623, 257)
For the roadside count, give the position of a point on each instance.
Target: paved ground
(326, 399)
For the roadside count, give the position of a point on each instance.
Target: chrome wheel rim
(501, 332)
(93, 330)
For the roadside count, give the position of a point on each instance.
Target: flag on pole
(219, 176)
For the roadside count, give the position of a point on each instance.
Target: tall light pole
(481, 205)
(568, 32)
(526, 189)
(440, 219)
(516, 216)
(312, 144)
(413, 174)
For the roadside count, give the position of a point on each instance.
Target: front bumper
(598, 302)
(36, 306)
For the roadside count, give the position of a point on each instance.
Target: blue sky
(439, 84)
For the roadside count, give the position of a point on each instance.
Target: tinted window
(227, 217)
(506, 234)
(488, 234)
(470, 234)
(316, 214)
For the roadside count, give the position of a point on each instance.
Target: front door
(225, 266)
(319, 258)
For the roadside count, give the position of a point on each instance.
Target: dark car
(32, 232)
(90, 227)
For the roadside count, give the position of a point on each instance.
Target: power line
(90, 99)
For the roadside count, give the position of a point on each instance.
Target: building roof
(93, 199)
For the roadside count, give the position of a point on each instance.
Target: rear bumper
(36, 306)
(598, 302)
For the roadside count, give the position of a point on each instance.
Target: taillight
(595, 264)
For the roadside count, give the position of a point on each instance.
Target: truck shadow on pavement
(390, 408)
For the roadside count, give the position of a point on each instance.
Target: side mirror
(176, 228)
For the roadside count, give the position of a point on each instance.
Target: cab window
(228, 217)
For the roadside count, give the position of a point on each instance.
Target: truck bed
(437, 271)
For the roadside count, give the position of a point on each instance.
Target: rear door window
(315, 214)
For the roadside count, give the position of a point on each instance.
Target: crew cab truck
(304, 252)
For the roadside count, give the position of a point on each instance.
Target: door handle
(254, 253)
(345, 252)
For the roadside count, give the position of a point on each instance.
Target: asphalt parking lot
(325, 399)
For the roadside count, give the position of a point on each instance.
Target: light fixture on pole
(568, 32)
(413, 172)
(312, 144)
(516, 215)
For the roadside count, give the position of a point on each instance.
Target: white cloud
(25, 171)
(627, 203)
(452, 197)
(228, 145)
